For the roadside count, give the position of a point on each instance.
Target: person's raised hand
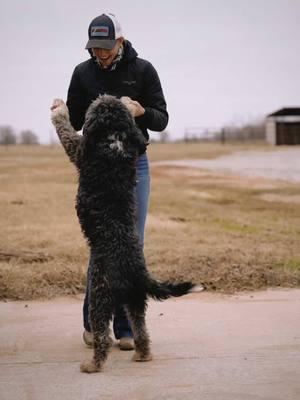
(135, 108)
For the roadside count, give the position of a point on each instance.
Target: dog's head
(108, 121)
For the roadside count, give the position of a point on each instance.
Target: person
(114, 68)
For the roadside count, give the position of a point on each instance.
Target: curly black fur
(106, 159)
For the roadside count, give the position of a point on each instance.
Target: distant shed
(283, 126)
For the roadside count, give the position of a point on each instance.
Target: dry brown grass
(232, 233)
(204, 150)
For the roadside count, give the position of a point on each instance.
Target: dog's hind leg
(100, 313)
(136, 313)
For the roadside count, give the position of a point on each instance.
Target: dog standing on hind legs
(105, 157)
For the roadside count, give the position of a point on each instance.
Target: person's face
(105, 56)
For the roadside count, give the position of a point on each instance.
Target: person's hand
(135, 108)
(138, 108)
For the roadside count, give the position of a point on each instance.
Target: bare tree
(28, 137)
(7, 135)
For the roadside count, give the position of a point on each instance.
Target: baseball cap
(104, 32)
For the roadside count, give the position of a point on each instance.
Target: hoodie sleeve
(75, 101)
(156, 115)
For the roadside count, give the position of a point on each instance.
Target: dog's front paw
(89, 367)
(142, 357)
(59, 110)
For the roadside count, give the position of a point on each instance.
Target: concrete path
(243, 347)
(277, 164)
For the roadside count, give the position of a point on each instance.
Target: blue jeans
(121, 325)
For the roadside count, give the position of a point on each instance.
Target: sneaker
(88, 338)
(126, 343)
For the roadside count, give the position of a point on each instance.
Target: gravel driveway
(277, 164)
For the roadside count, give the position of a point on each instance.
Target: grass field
(231, 233)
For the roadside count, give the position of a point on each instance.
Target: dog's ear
(91, 125)
(138, 140)
(89, 138)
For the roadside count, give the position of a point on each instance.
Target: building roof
(290, 111)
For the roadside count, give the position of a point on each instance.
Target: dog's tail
(164, 290)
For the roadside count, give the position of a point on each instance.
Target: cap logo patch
(99, 31)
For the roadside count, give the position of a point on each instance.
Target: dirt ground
(227, 231)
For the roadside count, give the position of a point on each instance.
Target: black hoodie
(133, 77)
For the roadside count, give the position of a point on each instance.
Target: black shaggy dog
(105, 157)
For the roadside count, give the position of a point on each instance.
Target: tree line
(8, 136)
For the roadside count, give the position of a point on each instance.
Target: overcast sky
(219, 61)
